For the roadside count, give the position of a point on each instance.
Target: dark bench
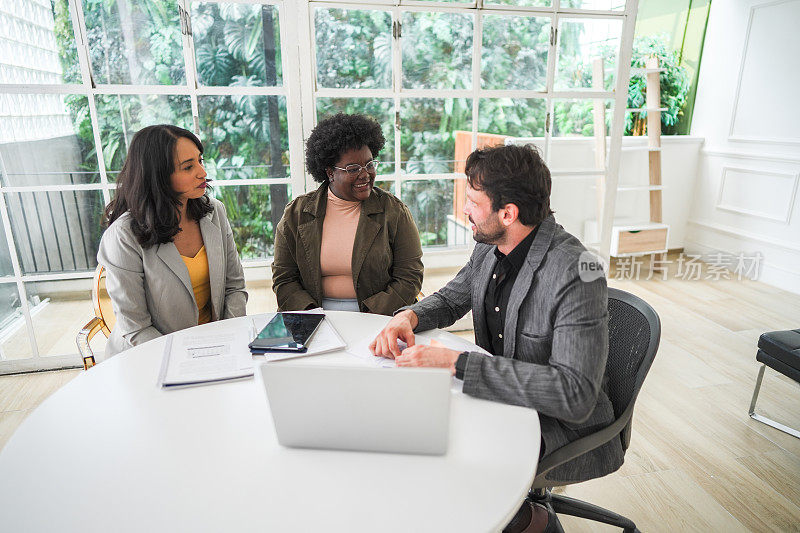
(779, 350)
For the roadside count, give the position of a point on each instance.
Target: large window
(77, 79)
(252, 77)
(444, 78)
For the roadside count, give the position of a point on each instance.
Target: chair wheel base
(560, 504)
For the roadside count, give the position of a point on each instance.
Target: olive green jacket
(387, 255)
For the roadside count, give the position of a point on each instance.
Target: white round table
(112, 451)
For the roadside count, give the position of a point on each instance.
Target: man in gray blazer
(545, 325)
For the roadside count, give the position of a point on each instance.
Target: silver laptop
(397, 410)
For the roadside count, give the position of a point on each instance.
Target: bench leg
(764, 420)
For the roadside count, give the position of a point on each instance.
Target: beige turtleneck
(336, 254)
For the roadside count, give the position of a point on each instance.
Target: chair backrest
(102, 301)
(634, 331)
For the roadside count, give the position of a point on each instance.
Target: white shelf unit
(650, 237)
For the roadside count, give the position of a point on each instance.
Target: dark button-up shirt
(499, 290)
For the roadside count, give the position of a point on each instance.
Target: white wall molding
(748, 155)
(740, 234)
(732, 136)
(763, 140)
(784, 217)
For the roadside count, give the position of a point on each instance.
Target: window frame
(299, 88)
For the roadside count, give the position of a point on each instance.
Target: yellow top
(201, 285)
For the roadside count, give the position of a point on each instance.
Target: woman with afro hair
(347, 245)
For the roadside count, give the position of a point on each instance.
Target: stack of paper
(196, 359)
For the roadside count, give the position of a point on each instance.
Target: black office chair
(634, 331)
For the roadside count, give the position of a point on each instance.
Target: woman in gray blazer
(169, 253)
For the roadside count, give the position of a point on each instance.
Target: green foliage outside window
(243, 136)
(237, 45)
(674, 83)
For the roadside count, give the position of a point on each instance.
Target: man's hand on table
(436, 355)
(401, 327)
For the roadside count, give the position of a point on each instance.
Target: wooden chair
(103, 318)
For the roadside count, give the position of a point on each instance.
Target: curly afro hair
(336, 135)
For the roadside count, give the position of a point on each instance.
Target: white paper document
(196, 359)
(362, 351)
(325, 340)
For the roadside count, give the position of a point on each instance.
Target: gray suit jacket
(555, 344)
(150, 289)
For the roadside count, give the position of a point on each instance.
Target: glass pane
(515, 117)
(59, 309)
(381, 109)
(244, 136)
(580, 43)
(120, 116)
(135, 42)
(601, 5)
(353, 48)
(37, 44)
(437, 50)
(260, 296)
(432, 206)
(56, 231)
(386, 185)
(237, 44)
(14, 340)
(46, 139)
(524, 2)
(575, 118)
(6, 268)
(254, 211)
(573, 146)
(428, 133)
(514, 53)
(604, 5)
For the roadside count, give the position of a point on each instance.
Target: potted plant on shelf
(674, 85)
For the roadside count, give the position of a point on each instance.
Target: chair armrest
(579, 447)
(84, 336)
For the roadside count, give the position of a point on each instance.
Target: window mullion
(552, 59)
(617, 128)
(477, 46)
(16, 267)
(307, 77)
(292, 16)
(397, 86)
(82, 45)
(189, 60)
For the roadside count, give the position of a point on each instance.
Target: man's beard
(489, 235)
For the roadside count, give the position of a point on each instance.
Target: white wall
(745, 198)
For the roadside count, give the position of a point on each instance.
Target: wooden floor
(697, 462)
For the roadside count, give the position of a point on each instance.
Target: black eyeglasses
(355, 169)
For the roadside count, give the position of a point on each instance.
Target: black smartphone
(287, 332)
